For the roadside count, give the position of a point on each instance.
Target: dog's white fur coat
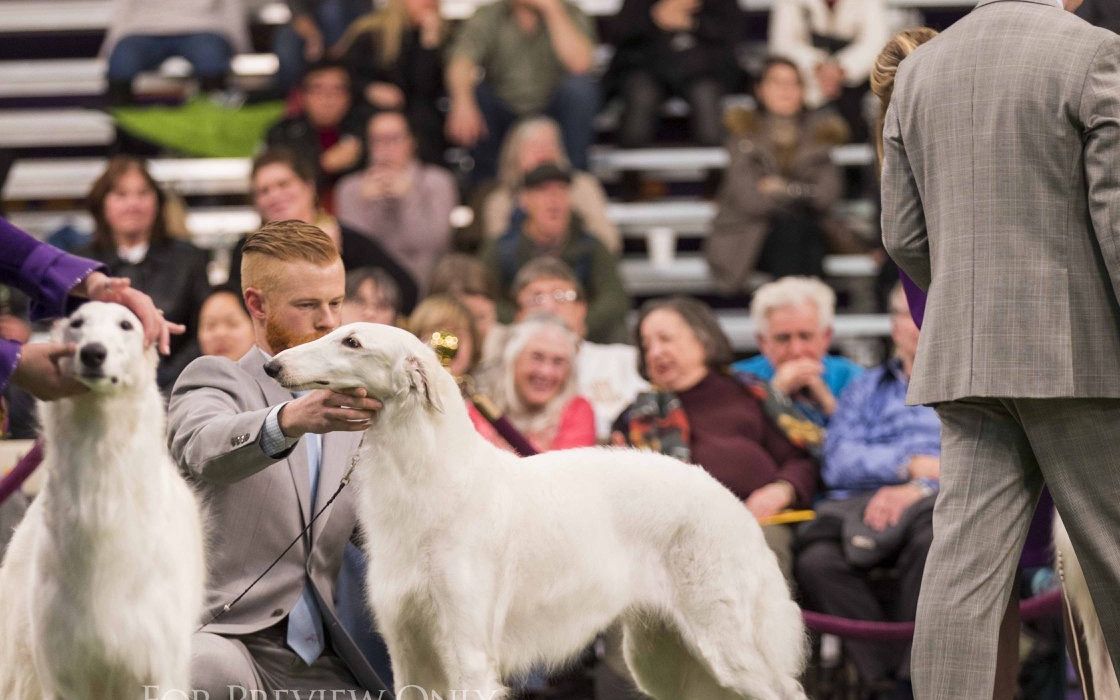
(103, 582)
(484, 565)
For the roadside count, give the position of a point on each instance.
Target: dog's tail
(786, 646)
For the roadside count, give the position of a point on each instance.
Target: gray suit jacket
(1001, 197)
(257, 505)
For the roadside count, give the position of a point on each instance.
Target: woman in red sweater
(701, 413)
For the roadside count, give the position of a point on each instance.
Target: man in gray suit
(265, 462)
(1001, 198)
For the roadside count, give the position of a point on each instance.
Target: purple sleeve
(43, 272)
(915, 298)
(9, 358)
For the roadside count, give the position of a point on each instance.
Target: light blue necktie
(305, 623)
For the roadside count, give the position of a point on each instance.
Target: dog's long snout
(272, 368)
(93, 355)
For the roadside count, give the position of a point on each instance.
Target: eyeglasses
(560, 296)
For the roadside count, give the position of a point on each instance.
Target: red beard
(280, 338)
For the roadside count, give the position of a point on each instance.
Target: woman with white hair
(533, 142)
(537, 387)
(793, 319)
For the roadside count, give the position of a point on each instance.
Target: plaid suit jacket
(1001, 198)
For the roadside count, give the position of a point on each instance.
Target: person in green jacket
(545, 225)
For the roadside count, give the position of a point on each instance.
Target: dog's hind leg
(755, 660)
(719, 665)
(662, 665)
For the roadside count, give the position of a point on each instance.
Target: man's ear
(255, 303)
(420, 383)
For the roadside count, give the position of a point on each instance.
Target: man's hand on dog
(326, 411)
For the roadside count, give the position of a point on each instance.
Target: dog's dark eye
(76, 323)
(126, 325)
(352, 342)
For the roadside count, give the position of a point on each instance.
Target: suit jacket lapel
(253, 363)
(337, 451)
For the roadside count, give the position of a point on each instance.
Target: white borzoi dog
(484, 565)
(1095, 654)
(103, 582)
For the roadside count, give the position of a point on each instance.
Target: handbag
(865, 547)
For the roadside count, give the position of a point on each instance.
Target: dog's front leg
(471, 674)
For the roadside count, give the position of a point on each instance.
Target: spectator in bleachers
(701, 413)
(773, 205)
(401, 203)
(1101, 13)
(549, 227)
(683, 48)
(131, 239)
(395, 56)
(224, 327)
(17, 406)
(142, 34)
(793, 320)
(468, 280)
(881, 467)
(607, 373)
(372, 296)
(314, 27)
(328, 132)
(530, 143)
(537, 390)
(443, 313)
(535, 57)
(283, 188)
(834, 43)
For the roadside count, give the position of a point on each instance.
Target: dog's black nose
(272, 368)
(93, 355)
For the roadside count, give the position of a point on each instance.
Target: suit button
(278, 612)
(239, 440)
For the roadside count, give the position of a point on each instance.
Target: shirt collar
(133, 254)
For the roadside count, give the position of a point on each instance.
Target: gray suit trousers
(260, 665)
(996, 454)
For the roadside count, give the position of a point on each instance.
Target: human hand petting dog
(99, 287)
(37, 371)
(325, 411)
(38, 374)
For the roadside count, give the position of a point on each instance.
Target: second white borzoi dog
(1076, 589)
(103, 581)
(484, 565)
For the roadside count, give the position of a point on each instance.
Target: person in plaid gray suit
(1001, 199)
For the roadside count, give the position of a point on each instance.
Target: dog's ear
(421, 383)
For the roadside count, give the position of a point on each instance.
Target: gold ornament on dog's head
(446, 345)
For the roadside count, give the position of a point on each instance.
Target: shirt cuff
(58, 273)
(928, 486)
(273, 441)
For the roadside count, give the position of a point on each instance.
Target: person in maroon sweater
(701, 413)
